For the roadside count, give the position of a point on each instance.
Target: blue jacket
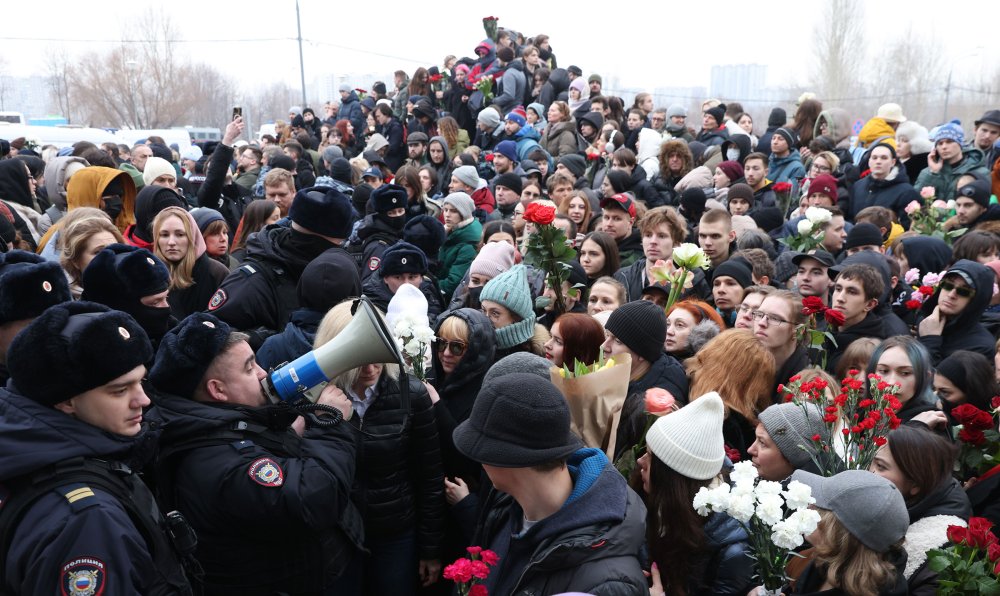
(785, 169)
(350, 109)
(71, 535)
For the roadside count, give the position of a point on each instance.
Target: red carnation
(474, 550)
(880, 441)
(912, 304)
(732, 454)
(812, 305)
(829, 418)
(817, 438)
(782, 187)
(480, 569)
(478, 590)
(539, 214)
(489, 157)
(489, 557)
(926, 290)
(834, 317)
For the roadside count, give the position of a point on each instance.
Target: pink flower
(939, 204)
(931, 279)
(911, 276)
(659, 401)
(927, 192)
(918, 296)
(912, 208)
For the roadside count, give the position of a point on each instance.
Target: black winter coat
(399, 483)
(725, 567)
(964, 332)
(228, 199)
(393, 132)
(374, 288)
(666, 373)
(870, 326)
(894, 193)
(208, 275)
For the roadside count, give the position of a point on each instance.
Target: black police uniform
(77, 538)
(272, 510)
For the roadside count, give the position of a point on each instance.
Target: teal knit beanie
(510, 289)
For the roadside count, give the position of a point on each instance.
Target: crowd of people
(145, 293)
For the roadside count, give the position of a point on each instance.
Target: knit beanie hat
(689, 441)
(506, 148)
(332, 152)
(322, 210)
(594, 78)
(426, 233)
(489, 116)
(186, 352)
(792, 430)
(29, 284)
(467, 175)
(736, 268)
(740, 191)
(493, 259)
(823, 184)
(863, 234)
(462, 203)
(156, 167)
(576, 164)
(328, 280)
(518, 362)
(977, 190)
(340, 169)
(88, 342)
(403, 257)
(768, 218)
(641, 326)
(790, 136)
(121, 275)
(777, 117)
(518, 115)
(950, 130)
(522, 422)
(718, 113)
(732, 169)
(509, 180)
(676, 110)
(693, 201)
(510, 289)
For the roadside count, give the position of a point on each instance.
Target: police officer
(75, 519)
(259, 296)
(269, 500)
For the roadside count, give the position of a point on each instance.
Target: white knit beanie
(156, 167)
(690, 440)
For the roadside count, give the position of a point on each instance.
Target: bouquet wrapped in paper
(595, 395)
(407, 319)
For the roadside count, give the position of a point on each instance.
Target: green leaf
(938, 563)
(542, 301)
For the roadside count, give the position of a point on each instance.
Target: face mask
(473, 301)
(396, 223)
(155, 320)
(112, 206)
(733, 154)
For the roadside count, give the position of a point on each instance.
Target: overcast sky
(672, 44)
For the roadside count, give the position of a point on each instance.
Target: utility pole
(302, 64)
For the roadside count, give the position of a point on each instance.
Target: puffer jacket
(726, 566)
(399, 483)
(964, 332)
(944, 181)
(591, 545)
(894, 193)
(559, 139)
(294, 341)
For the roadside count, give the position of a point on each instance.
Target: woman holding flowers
(690, 554)
(920, 464)
(575, 337)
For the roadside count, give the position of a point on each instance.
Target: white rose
(804, 521)
(741, 508)
(952, 204)
(402, 328)
(769, 510)
(743, 473)
(804, 227)
(798, 495)
(783, 535)
(818, 215)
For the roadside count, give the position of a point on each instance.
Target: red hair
(347, 136)
(699, 310)
(582, 338)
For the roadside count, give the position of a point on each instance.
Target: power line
(80, 40)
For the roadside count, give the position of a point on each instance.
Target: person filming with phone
(949, 160)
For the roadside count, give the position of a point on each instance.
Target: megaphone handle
(310, 411)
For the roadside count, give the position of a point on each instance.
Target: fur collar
(926, 534)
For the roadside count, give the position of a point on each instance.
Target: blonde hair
(454, 327)
(333, 323)
(181, 271)
(745, 383)
(847, 563)
(77, 227)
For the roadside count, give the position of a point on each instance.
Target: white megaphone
(365, 340)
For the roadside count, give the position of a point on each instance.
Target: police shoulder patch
(218, 299)
(266, 472)
(83, 576)
(373, 263)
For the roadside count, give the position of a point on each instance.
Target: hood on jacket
(648, 145)
(491, 52)
(33, 436)
(917, 135)
(468, 375)
(14, 183)
(876, 129)
(148, 203)
(778, 162)
(444, 145)
(86, 188)
(196, 236)
(838, 124)
(742, 142)
(595, 119)
(56, 172)
(929, 255)
(540, 109)
(982, 278)
(559, 79)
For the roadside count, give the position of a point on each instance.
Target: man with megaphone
(267, 492)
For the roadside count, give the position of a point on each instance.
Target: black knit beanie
(736, 268)
(641, 326)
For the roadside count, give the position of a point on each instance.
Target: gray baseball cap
(870, 507)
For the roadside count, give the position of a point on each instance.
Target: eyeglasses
(820, 168)
(771, 319)
(963, 291)
(455, 348)
(745, 308)
(656, 119)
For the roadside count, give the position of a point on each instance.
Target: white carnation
(818, 215)
(743, 473)
(413, 348)
(767, 487)
(741, 507)
(769, 509)
(804, 521)
(804, 227)
(424, 335)
(784, 535)
(798, 495)
(708, 500)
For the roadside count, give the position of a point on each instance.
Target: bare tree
(58, 66)
(211, 97)
(839, 49)
(4, 85)
(271, 102)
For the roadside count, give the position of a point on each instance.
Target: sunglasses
(455, 348)
(963, 291)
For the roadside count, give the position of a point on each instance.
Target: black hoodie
(964, 332)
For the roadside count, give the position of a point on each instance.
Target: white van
(60, 136)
